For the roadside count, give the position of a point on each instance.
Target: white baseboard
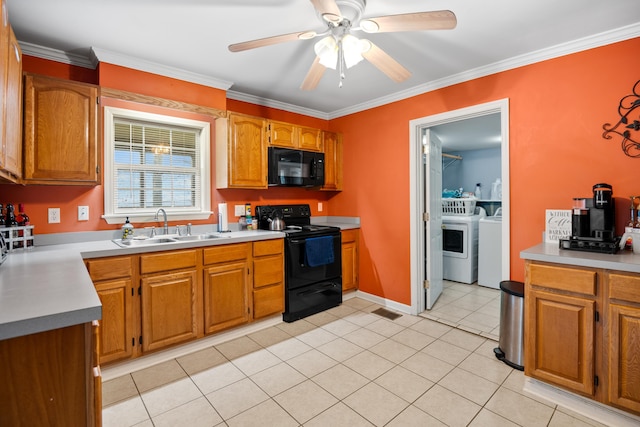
(589, 408)
(393, 305)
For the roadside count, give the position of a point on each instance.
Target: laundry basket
(458, 206)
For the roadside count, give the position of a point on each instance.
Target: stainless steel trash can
(511, 324)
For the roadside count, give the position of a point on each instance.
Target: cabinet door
(226, 296)
(169, 309)
(624, 357)
(349, 260)
(282, 135)
(559, 345)
(12, 152)
(116, 326)
(60, 132)
(247, 149)
(309, 139)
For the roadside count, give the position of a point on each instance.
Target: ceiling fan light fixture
(327, 50)
(352, 50)
(369, 26)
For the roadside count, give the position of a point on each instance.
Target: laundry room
(471, 176)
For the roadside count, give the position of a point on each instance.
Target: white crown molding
(102, 55)
(579, 45)
(115, 58)
(239, 96)
(56, 55)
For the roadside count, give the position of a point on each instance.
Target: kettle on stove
(276, 223)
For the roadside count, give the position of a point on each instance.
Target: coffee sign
(557, 225)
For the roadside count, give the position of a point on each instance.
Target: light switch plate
(83, 213)
(239, 210)
(320, 206)
(54, 215)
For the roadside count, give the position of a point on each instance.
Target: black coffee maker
(593, 222)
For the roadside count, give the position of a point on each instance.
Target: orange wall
(557, 109)
(37, 199)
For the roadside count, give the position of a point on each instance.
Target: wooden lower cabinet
(171, 298)
(226, 286)
(582, 331)
(113, 279)
(350, 259)
(624, 341)
(51, 378)
(268, 278)
(155, 300)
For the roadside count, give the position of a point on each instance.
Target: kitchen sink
(161, 240)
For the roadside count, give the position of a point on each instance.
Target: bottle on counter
(478, 192)
(127, 230)
(10, 218)
(247, 214)
(22, 218)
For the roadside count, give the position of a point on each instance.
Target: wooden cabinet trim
(109, 268)
(226, 253)
(268, 247)
(166, 261)
(624, 287)
(582, 281)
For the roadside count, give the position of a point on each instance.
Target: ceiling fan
(339, 49)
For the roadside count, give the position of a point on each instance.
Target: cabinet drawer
(268, 271)
(109, 268)
(164, 261)
(224, 253)
(349, 236)
(564, 279)
(269, 300)
(624, 287)
(268, 247)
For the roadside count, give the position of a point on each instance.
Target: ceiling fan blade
(328, 9)
(381, 60)
(419, 21)
(313, 75)
(268, 41)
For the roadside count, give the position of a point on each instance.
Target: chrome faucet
(166, 226)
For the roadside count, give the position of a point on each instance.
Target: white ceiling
(188, 39)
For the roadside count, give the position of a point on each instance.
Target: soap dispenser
(127, 230)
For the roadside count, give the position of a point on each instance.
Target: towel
(318, 251)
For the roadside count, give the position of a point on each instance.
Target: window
(154, 161)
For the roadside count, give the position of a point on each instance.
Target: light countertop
(48, 287)
(548, 252)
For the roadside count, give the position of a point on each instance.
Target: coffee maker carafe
(594, 218)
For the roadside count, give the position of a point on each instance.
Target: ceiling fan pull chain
(341, 64)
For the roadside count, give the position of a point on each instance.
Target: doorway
(419, 182)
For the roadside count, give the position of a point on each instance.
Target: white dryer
(460, 248)
(490, 251)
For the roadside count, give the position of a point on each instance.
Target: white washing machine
(460, 248)
(490, 251)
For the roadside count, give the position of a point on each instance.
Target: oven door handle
(297, 242)
(317, 291)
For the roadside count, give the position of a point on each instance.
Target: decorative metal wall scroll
(628, 122)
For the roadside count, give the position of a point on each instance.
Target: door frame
(417, 187)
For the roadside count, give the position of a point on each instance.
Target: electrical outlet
(319, 206)
(54, 215)
(239, 210)
(83, 213)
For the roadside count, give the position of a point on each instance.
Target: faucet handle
(189, 229)
(153, 231)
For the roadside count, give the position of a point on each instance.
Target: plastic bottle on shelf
(478, 192)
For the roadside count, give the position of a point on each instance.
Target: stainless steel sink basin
(160, 240)
(196, 237)
(143, 242)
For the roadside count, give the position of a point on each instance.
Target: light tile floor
(472, 308)
(343, 367)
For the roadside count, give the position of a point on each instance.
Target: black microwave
(295, 168)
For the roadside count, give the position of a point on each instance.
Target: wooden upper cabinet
(241, 152)
(287, 135)
(332, 143)
(60, 132)
(12, 152)
(310, 139)
(282, 134)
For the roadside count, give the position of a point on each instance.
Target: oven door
(455, 240)
(299, 274)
